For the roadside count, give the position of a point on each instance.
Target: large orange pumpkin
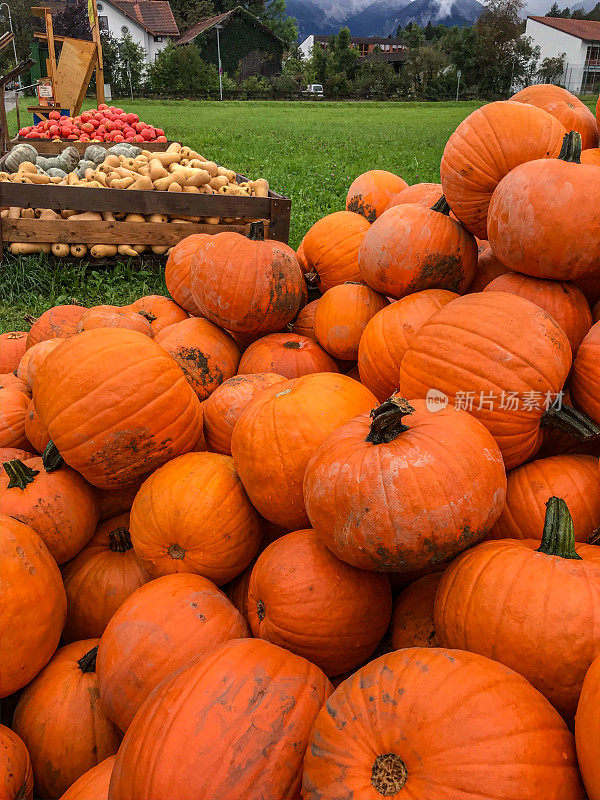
(206, 353)
(216, 535)
(223, 408)
(12, 347)
(485, 147)
(303, 325)
(159, 629)
(534, 607)
(286, 354)
(389, 334)
(34, 357)
(585, 377)
(488, 268)
(61, 720)
(566, 107)
(16, 775)
(429, 486)
(424, 194)
(247, 699)
(370, 193)
(178, 270)
(58, 322)
(278, 432)
(113, 502)
(246, 284)
(35, 432)
(342, 315)
(114, 317)
(331, 249)
(10, 381)
(159, 311)
(587, 730)
(591, 156)
(431, 723)
(93, 783)
(10, 453)
(100, 578)
(412, 618)
(114, 443)
(483, 349)
(13, 405)
(303, 598)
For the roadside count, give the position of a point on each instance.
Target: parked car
(315, 89)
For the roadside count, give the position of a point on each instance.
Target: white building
(150, 23)
(579, 40)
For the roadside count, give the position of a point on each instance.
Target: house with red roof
(578, 40)
(150, 23)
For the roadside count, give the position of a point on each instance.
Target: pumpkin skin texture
(342, 315)
(585, 377)
(331, 248)
(553, 636)
(412, 618)
(114, 317)
(529, 487)
(562, 300)
(587, 730)
(178, 271)
(301, 257)
(303, 325)
(424, 194)
(159, 311)
(459, 350)
(591, 156)
(12, 420)
(596, 312)
(443, 487)
(16, 776)
(66, 688)
(565, 107)
(35, 432)
(111, 444)
(93, 783)
(488, 269)
(216, 535)
(260, 715)
(370, 193)
(389, 334)
(10, 453)
(286, 354)
(225, 405)
(337, 623)
(247, 286)
(411, 248)
(485, 147)
(113, 502)
(159, 629)
(36, 355)
(10, 381)
(206, 354)
(439, 724)
(100, 578)
(58, 322)
(12, 348)
(278, 432)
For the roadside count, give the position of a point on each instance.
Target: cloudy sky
(339, 9)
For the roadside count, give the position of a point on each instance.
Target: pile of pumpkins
(255, 547)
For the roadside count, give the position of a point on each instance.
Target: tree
(124, 64)
(276, 18)
(344, 57)
(461, 48)
(318, 64)
(73, 21)
(500, 57)
(412, 35)
(424, 66)
(188, 12)
(551, 69)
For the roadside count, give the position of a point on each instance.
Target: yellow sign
(91, 12)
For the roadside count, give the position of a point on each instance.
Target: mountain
(456, 12)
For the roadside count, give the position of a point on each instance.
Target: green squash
(19, 154)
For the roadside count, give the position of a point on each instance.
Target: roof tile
(586, 29)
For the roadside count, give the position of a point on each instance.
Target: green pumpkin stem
(441, 206)
(87, 663)
(571, 148)
(120, 540)
(558, 538)
(257, 231)
(148, 315)
(387, 420)
(52, 459)
(19, 474)
(569, 420)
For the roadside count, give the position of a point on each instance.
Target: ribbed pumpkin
(100, 578)
(459, 350)
(223, 408)
(534, 607)
(246, 284)
(178, 271)
(562, 300)
(565, 107)
(93, 783)
(159, 311)
(247, 699)
(389, 334)
(301, 257)
(412, 618)
(591, 156)
(12, 419)
(52, 499)
(430, 485)
(303, 325)
(587, 730)
(10, 381)
(302, 598)
(114, 317)
(278, 432)
(370, 193)
(34, 357)
(16, 776)
(585, 377)
(61, 720)
(10, 453)
(430, 723)
(485, 147)
(424, 194)
(331, 248)
(342, 315)
(113, 444)
(529, 487)
(488, 269)
(159, 629)
(206, 353)
(35, 432)
(58, 322)
(113, 502)
(237, 589)
(590, 286)
(216, 535)
(12, 347)
(286, 354)
(412, 247)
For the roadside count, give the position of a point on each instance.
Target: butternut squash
(60, 250)
(78, 250)
(103, 250)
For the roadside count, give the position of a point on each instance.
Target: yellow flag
(91, 12)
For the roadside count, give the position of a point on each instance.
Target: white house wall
(117, 21)
(307, 46)
(552, 43)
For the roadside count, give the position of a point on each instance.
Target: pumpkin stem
(120, 540)
(312, 277)
(388, 774)
(292, 345)
(87, 663)
(441, 206)
(571, 148)
(51, 458)
(387, 420)
(175, 551)
(260, 609)
(558, 538)
(257, 231)
(19, 474)
(147, 315)
(569, 420)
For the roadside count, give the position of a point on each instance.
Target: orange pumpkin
(286, 354)
(485, 147)
(424, 194)
(565, 107)
(301, 257)
(590, 286)
(35, 432)
(370, 193)
(12, 347)
(34, 357)
(114, 317)
(412, 247)
(13, 404)
(331, 249)
(412, 618)
(65, 693)
(115, 444)
(342, 315)
(278, 432)
(596, 312)
(16, 775)
(178, 271)
(389, 334)
(303, 325)
(93, 783)
(58, 322)
(160, 628)
(10, 381)
(488, 268)
(10, 453)
(585, 376)
(113, 502)
(216, 536)
(159, 311)
(587, 730)
(591, 156)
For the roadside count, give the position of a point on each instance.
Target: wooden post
(51, 50)
(99, 60)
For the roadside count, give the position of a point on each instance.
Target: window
(158, 38)
(99, 7)
(124, 29)
(103, 23)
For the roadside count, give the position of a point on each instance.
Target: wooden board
(73, 73)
